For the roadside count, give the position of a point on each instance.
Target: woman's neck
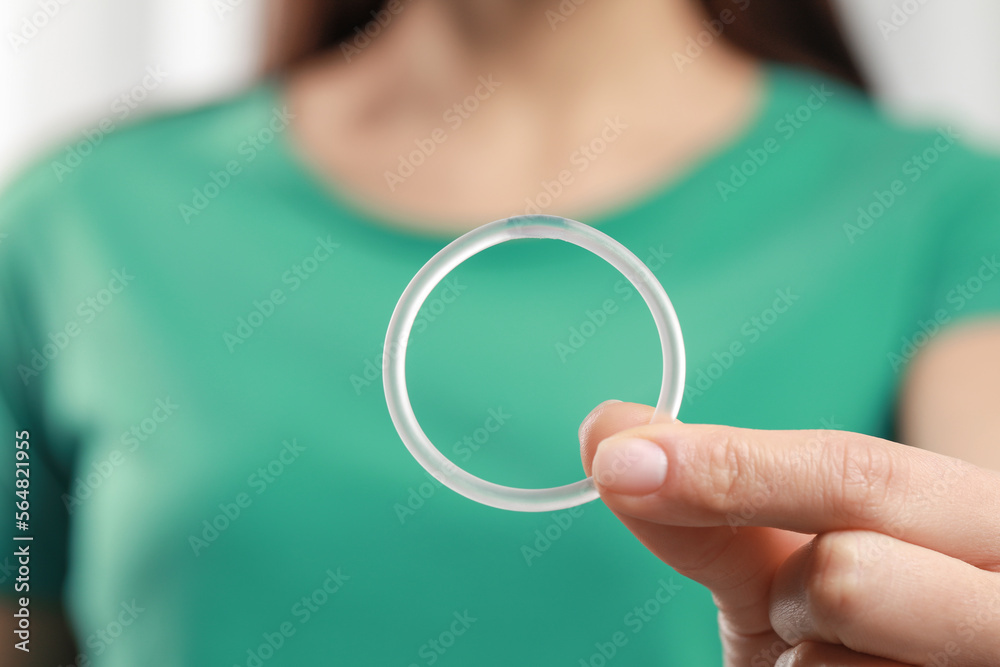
(458, 112)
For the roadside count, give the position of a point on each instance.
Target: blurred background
(69, 65)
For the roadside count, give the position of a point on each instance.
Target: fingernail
(630, 466)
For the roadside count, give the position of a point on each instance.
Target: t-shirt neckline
(758, 127)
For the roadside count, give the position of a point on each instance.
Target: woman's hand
(819, 547)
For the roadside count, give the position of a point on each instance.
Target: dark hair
(798, 32)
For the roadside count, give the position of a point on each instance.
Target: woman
(195, 317)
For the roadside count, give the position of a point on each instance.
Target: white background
(941, 64)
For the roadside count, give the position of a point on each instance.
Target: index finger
(805, 481)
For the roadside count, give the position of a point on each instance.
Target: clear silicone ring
(439, 266)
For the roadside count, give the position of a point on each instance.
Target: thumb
(736, 565)
(608, 418)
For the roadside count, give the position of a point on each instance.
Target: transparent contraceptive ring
(435, 270)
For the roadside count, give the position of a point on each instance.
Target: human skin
(354, 118)
(556, 90)
(819, 547)
(611, 58)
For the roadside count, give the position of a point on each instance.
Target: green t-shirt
(191, 329)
